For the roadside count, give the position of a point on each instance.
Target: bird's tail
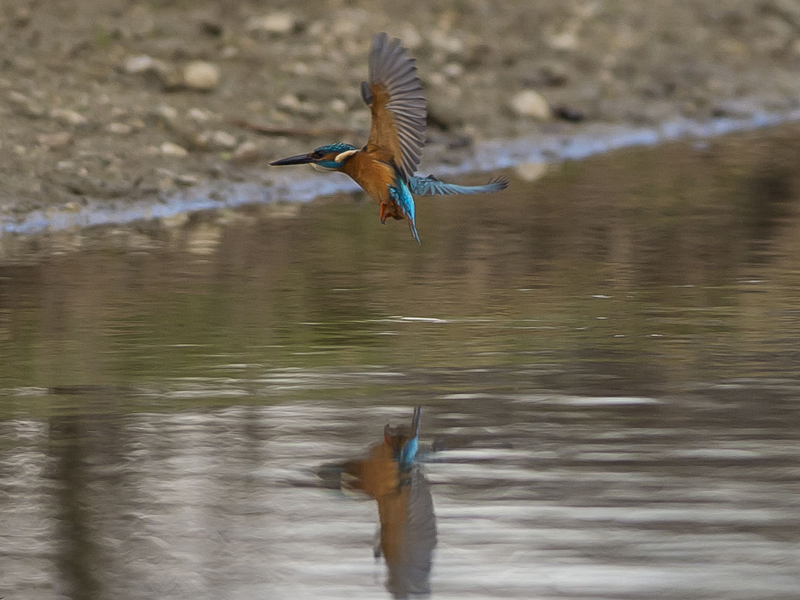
(399, 192)
(430, 186)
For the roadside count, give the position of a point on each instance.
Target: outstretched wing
(394, 94)
(430, 186)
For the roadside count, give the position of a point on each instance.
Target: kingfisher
(385, 166)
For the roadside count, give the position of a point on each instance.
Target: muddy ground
(111, 100)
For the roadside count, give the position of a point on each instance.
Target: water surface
(608, 357)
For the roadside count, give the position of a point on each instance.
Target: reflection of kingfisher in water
(385, 167)
(390, 476)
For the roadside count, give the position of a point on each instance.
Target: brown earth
(106, 99)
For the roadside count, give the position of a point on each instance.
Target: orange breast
(372, 174)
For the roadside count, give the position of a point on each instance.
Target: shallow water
(608, 357)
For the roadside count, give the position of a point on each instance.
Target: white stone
(119, 128)
(278, 23)
(453, 70)
(338, 106)
(199, 115)
(139, 64)
(223, 139)
(68, 117)
(531, 104)
(172, 149)
(201, 75)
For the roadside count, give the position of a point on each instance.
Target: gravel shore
(106, 101)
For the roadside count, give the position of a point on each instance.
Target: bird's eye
(317, 154)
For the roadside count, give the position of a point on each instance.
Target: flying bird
(385, 166)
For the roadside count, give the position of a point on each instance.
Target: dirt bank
(104, 100)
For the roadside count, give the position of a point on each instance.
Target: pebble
(140, 64)
(293, 104)
(173, 149)
(201, 75)
(199, 115)
(441, 40)
(247, 152)
(453, 70)
(164, 73)
(54, 140)
(278, 23)
(338, 106)
(187, 180)
(68, 117)
(229, 52)
(25, 105)
(216, 139)
(166, 113)
(119, 128)
(529, 103)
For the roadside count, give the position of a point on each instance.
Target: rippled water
(607, 356)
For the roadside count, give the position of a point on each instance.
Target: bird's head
(325, 158)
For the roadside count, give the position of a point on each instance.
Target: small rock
(166, 113)
(290, 102)
(119, 128)
(68, 117)
(187, 180)
(247, 152)
(172, 149)
(140, 64)
(531, 104)
(54, 140)
(453, 70)
(199, 115)
(165, 74)
(443, 41)
(338, 106)
(293, 104)
(221, 140)
(410, 36)
(436, 79)
(224, 139)
(229, 52)
(278, 23)
(25, 105)
(201, 75)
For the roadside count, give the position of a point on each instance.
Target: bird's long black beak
(300, 159)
